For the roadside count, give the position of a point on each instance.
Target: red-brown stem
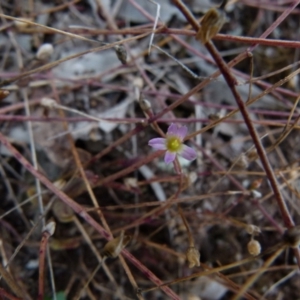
(187, 32)
(131, 168)
(124, 138)
(232, 82)
(43, 247)
(5, 294)
(81, 212)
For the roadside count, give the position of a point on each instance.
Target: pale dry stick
(42, 119)
(176, 31)
(87, 283)
(71, 35)
(56, 63)
(291, 66)
(50, 103)
(227, 172)
(112, 25)
(98, 256)
(293, 190)
(3, 256)
(240, 186)
(33, 152)
(257, 274)
(179, 63)
(156, 211)
(285, 133)
(293, 109)
(129, 169)
(80, 168)
(29, 233)
(202, 273)
(254, 156)
(281, 138)
(192, 254)
(279, 282)
(79, 210)
(38, 187)
(12, 283)
(155, 24)
(33, 156)
(20, 65)
(48, 231)
(179, 200)
(288, 184)
(12, 196)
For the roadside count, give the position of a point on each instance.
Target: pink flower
(173, 144)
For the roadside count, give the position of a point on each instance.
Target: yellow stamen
(173, 144)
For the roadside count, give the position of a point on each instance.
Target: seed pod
(254, 247)
(211, 24)
(193, 257)
(114, 247)
(3, 94)
(44, 52)
(291, 236)
(121, 53)
(50, 227)
(62, 212)
(145, 105)
(253, 229)
(242, 162)
(48, 102)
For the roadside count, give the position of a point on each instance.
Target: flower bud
(254, 247)
(211, 24)
(145, 105)
(50, 228)
(193, 257)
(48, 102)
(121, 53)
(253, 229)
(114, 247)
(44, 52)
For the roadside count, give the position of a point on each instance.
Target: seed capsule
(254, 247)
(44, 52)
(291, 236)
(114, 247)
(121, 53)
(193, 257)
(211, 24)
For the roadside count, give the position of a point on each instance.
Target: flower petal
(181, 132)
(158, 143)
(169, 157)
(188, 153)
(172, 130)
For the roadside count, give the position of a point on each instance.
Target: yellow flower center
(173, 143)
